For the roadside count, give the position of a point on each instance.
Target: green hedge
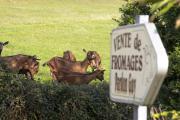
(22, 99)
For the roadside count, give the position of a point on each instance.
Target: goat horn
(102, 68)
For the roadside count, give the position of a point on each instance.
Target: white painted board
(139, 64)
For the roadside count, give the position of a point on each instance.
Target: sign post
(139, 64)
(140, 112)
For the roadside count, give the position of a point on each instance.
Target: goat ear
(84, 50)
(38, 59)
(5, 43)
(103, 70)
(34, 56)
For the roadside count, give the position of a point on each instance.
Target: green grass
(46, 28)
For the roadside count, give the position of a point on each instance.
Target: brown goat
(53, 63)
(22, 64)
(2, 44)
(56, 63)
(96, 61)
(74, 78)
(68, 55)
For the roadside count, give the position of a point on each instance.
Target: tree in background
(160, 7)
(164, 14)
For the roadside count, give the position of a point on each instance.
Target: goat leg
(29, 76)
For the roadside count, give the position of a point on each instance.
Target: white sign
(139, 64)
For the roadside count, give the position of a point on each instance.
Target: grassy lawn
(46, 28)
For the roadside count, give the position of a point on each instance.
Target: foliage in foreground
(169, 95)
(22, 99)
